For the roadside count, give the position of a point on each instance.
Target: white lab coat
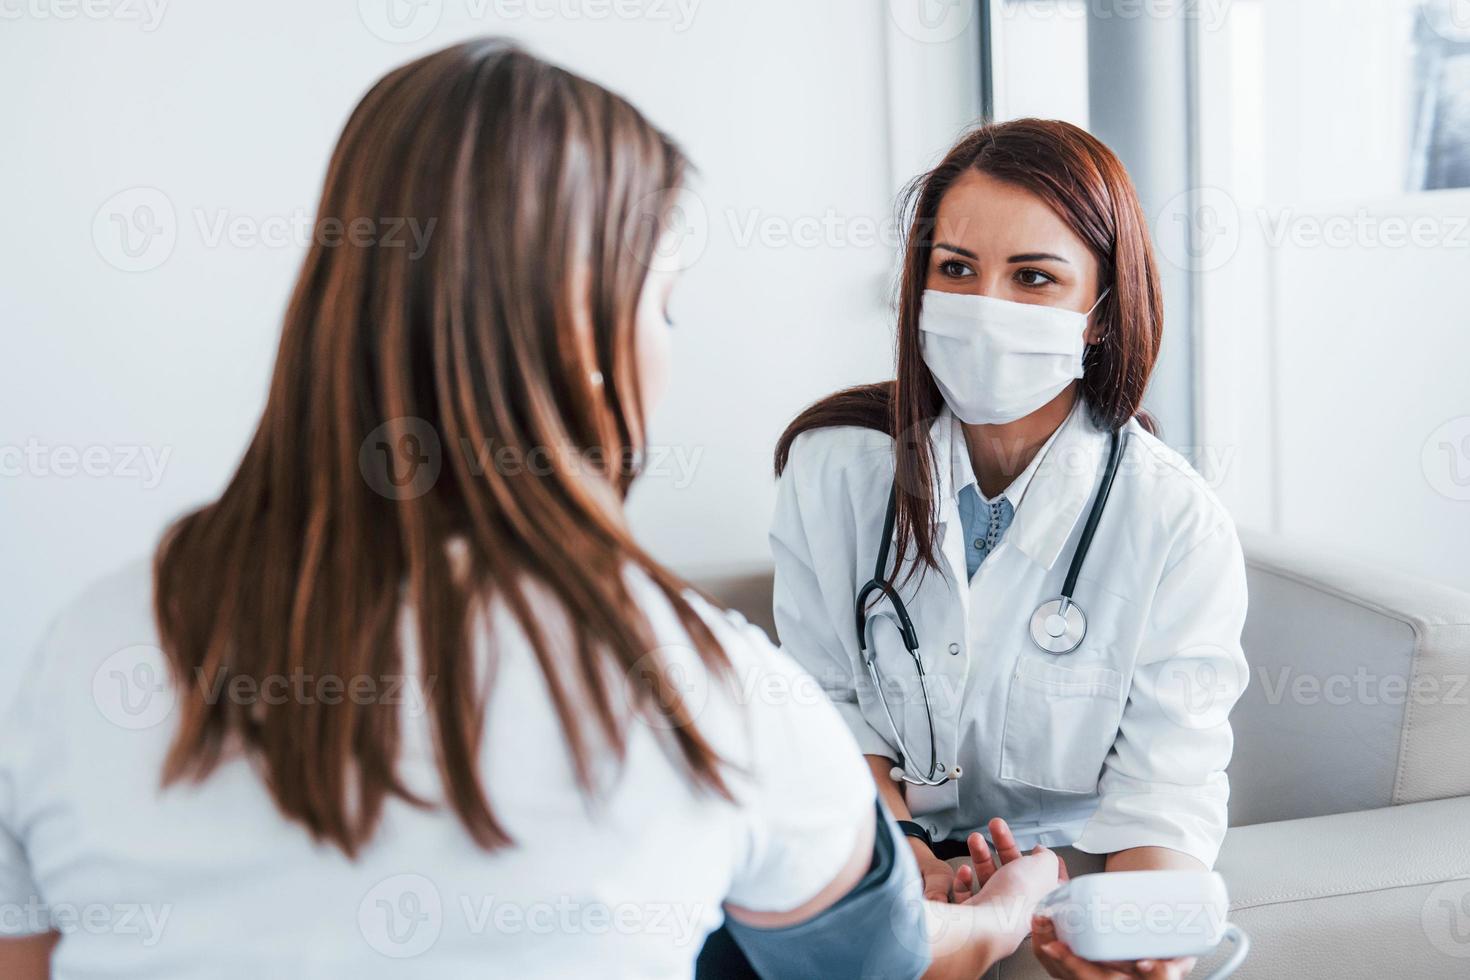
(1122, 743)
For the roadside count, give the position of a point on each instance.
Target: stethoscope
(1058, 626)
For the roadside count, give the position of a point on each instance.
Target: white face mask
(996, 361)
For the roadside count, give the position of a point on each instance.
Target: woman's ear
(1097, 320)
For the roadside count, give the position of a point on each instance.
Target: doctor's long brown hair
(539, 195)
(1088, 187)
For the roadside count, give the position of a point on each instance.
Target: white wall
(1040, 57)
(229, 111)
(1336, 330)
(1373, 343)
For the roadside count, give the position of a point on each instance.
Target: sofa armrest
(1359, 692)
(1379, 893)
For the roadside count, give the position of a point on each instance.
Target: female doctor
(1052, 632)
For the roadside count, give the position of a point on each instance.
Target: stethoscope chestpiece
(1058, 626)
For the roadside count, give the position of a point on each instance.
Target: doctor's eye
(1034, 278)
(954, 269)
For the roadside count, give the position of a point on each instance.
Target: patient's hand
(988, 926)
(1011, 890)
(984, 865)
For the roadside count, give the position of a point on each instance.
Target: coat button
(954, 649)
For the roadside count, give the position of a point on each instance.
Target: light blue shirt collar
(962, 470)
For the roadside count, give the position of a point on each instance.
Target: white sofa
(1349, 849)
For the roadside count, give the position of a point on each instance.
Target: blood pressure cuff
(875, 930)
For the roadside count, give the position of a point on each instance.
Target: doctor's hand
(1059, 961)
(937, 874)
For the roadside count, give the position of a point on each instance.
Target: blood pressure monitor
(1145, 915)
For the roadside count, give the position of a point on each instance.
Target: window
(1440, 153)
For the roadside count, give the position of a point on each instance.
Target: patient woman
(408, 697)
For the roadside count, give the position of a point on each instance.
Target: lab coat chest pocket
(1060, 722)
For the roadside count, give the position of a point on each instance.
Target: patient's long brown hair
(405, 376)
(1088, 187)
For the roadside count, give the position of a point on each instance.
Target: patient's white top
(210, 880)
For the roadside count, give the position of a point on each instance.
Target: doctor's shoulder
(843, 454)
(1181, 502)
(831, 496)
(839, 447)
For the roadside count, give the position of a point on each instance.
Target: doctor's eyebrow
(956, 250)
(1036, 257)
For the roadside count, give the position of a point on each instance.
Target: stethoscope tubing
(1073, 618)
